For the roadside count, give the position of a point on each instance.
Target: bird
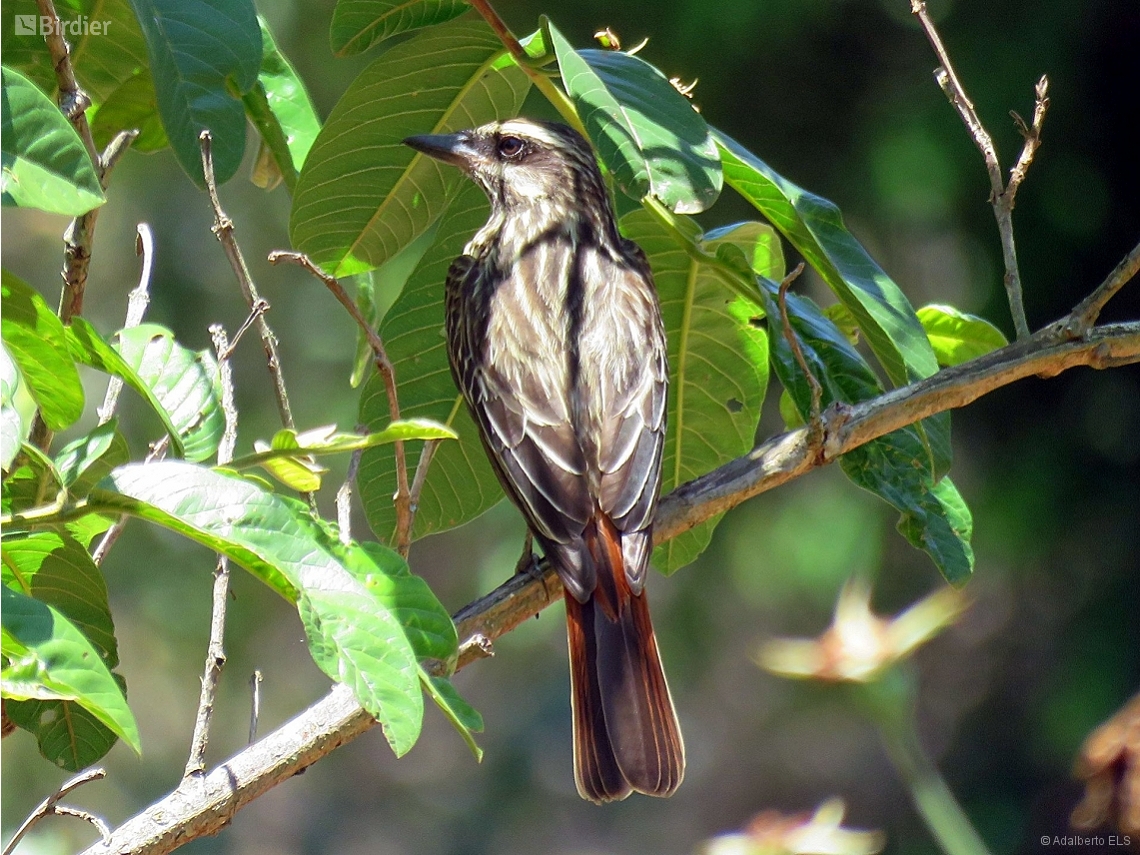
(556, 342)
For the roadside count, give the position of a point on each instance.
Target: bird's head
(544, 172)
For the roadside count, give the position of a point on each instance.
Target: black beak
(456, 149)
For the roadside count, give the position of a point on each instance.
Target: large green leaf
(646, 132)
(107, 59)
(186, 383)
(197, 50)
(460, 484)
(894, 467)
(133, 105)
(814, 226)
(37, 342)
(50, 659)
(359, 24)
(718, 360)
(353, 637)
(363, 195)
(45, 164)
(282, 112)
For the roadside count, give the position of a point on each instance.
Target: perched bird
(555, 339)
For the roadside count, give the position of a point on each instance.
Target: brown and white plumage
(556, 342)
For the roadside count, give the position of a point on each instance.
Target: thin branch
(1002, 195)
(110, 536)
(50, 806)
(794, 343)
(80, 234)
(1082, 318)
(215, 650)
(73, 101)
(405, 515)
(137, 302)
(224, 231)
(344, 499)
(338, 718)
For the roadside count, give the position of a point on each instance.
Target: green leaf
(814, 226)
(56, 569)
(89, 348)
(87, 460)
(15, 420)
(34, 483)
(197, 49)
(893, 467)
(461, 483)
(60, 663)
(106, 60)
(718, 359)
(133, 105)
(36, 341)
(359, 24)
(45, 164)
(957, 336)
(646, 132)
(426, 623)
(186, 384)
(281, 110)
(363, 195)
(352, 637)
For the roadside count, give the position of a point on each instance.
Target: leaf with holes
(718, 359)
(363, 195)
(186, 383)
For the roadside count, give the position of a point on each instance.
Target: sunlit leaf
(718, 360)
(37, 342)
(957, 336)
(646, 132)
(45, 164)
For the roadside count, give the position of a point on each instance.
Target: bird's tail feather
(626, 735)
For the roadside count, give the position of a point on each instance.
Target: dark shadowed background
(839, 97)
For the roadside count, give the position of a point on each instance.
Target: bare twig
(254, 704)
(794, 343)
(338, 718)
(1082, 318)
(403, 499)
(137, 302)
(224, 231)
(215, 650)
(157, 452)
(344, 499)
(50, 806)
(1002, 195)
(73, 101)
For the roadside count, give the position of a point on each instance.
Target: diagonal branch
(190, 812)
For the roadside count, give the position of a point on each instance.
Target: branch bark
(204, 805)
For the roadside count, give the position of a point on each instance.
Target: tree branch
(191, 811)
(1002, 195)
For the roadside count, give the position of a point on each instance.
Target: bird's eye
(510, 146)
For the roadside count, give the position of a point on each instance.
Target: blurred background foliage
(838, 97)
